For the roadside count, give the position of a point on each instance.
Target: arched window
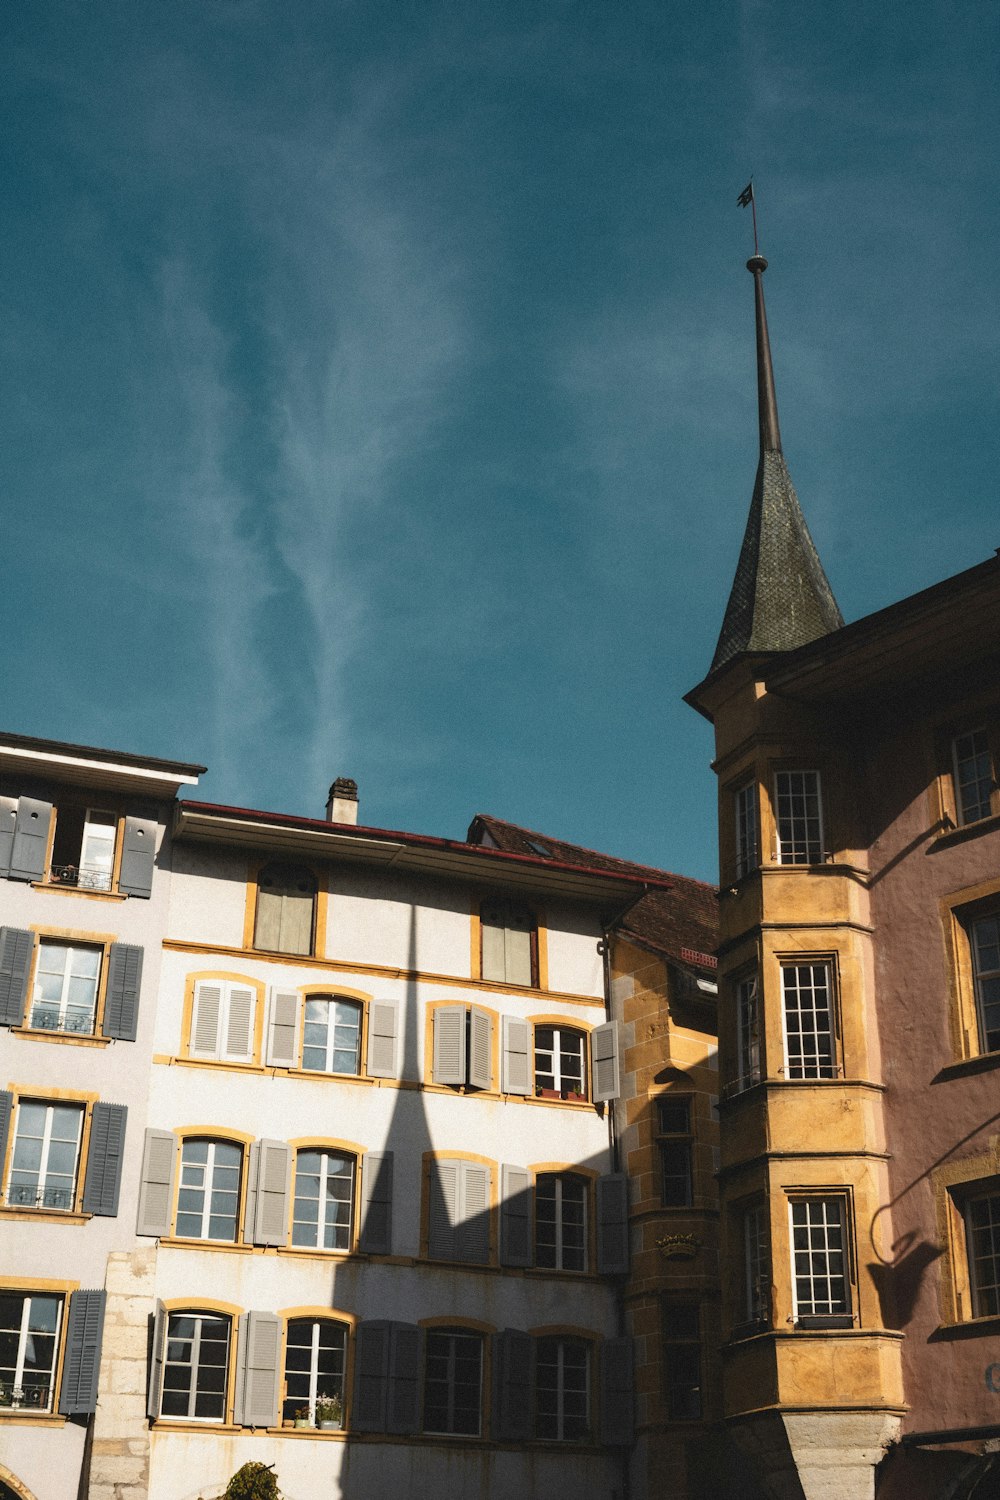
(208, 1202)
(331, 1040)
(561, 1062)
(286, 902)
(315, 1361)
(196, 1366)
(323, 1217)
(453, 1381)
(561, 1221)
(562, 1389)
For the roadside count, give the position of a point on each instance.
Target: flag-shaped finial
(746, 199)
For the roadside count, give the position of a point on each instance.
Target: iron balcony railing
(85, 877)
(48, 1018)
(25, 1397)
(27, 1195)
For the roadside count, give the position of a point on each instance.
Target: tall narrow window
(675, 1140)
(83, 849)
(973, 772)
(196, 1367)
(748, 1032)
(331, 1040)
(453, 1381)
(46, 1154)
(747, 829)
(561, 1221)
(757, 1267)
(509, 943)
(986, 969)
(562, 1389)
(682, 1360)
(810, 1048)
(208, 1203)
(315, 1360)
(29, 1342)
(982, 1238)
(560, 1061)
(799, 817)
(324, 1200)
(820, 1279)
(65, 992)
(286, 901)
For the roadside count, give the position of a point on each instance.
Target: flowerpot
(302, 1422)
(329, 1426)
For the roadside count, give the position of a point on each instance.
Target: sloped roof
(681, 923)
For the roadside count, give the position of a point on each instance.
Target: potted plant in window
(302, 1417)
(329, 1412)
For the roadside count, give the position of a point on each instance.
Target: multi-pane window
(315, 1360)
(46, 1153)
(208, 1202)
(83, 850)
(747, 829)
(675, 1141)
(757, 1266)
(453, 1381)
(324, 1200)
(820, 1280)
(331, 1040)
(286, 901)
(682, 1360)
(982, 1239)
(508, 943)
(195, 1367)
(561, 1221)
(562, 1389)
(986, 970)
(799, 817)
(973, 771)
(748, 1031)
(29, 1342)
(560, 1060)
(810, 1044)
(65, 991)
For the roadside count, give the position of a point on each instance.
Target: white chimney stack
(342, 803)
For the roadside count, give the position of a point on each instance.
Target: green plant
(329, 1408)
(253, 1482)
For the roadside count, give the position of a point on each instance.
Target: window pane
(973, 776)
(809, 1043)
(797, 812)
(820, 1271)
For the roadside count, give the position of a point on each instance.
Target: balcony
(83, 877)
(50, 1018)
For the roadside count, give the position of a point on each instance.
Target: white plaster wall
(380, 918)
(208, 894)
(46, 1459)
(574, 962)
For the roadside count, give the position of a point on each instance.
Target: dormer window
(509, 943)
(286, 906)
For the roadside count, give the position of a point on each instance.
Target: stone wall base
(817, 1455)
(119, 1456)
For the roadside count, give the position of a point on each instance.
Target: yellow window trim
(70, 936)
(224, 976)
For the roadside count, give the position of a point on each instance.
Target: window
(972, 766)
(196, 1367)
(223, 1020)
(986, 973)
(982, 1240)
(323, 1215)
(463, 1046)
(65, 991)
(458, 1217)
(757, 1267)
(562, 1389)
(682, 1360)
(208, 1203)
(46, 1155)
(332, 1036)
(29, 1344)
(509, 943)
(748, 1032)
(286, 902)
(315, 1360)
(561, 1221)
(560, 1062)
(810, 1047)
(83, 850)
(453, 1381)
(820, 1280)
(747, 830)
(799, 817)
(673, 1120)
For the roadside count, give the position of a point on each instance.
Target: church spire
(780, 597)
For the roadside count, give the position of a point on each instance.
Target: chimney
(342, 803)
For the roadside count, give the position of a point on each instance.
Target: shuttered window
(29, 1345)
(286, 906)
(323, 1216)
(208, 1202)
(196, 1367)
(331, 1041)
(64, 997)
(453, 1381)
(459, 1211)
(562, 1389)
(561, 1221)
(223, 1021)
(46, 1155)
(561, 1061)
(509, 943)
(83, 849)
(315, 1362)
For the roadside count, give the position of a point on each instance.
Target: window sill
(985, 1062)
(33, 1419)
(966, 831)
(172, 1242)
(313, 1433)
(73, 1038)
(219, 1062)
(45, 1215)
(971, 1328)
(170, 1424)
(76, 890)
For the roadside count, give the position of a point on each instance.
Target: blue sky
(378, 391)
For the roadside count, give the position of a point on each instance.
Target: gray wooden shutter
(494, 964)
(16, 948)
(371, 1376)
(154, 1390)
(383, 1039)
(156, 1188)
(257, 1372)
(515, 1217)
(138, 850)
(517, 946)
(250, 1205)
(82, 1362)
(403, 1413)
(473, 1237)
(513, 1397)
(240, 1012)
(31, 839)
(376, 1204)
(102, 1182)
(612, 1224)
(274, 1180)
(480, 1048)
(449, 1044)
(605, 1065)
(515, 1071)
(617, 1393)
(442, 1217)
(206, 1016)
(6, 1112)
(121, 1005)
(8, 822)
(283, 1030)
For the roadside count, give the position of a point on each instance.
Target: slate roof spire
(780, 597)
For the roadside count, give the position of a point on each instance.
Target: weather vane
(747, 197)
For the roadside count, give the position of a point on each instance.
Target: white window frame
(207, 1188)
(746, 813)
(977, 814)
(97, 879)
(199, 1315)
(811, 1202)
(326, 1177)
(820, 1069)
(450, 1382)
(978, 1291)
(59, 1007)
(756, 1266)
(558, 1085)
(559, 1179)
(25, 1333)
(817, 847)
(748, 1049)
(562, 1344)
(329, 1047)
(336, 1382)
(41, 1186)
